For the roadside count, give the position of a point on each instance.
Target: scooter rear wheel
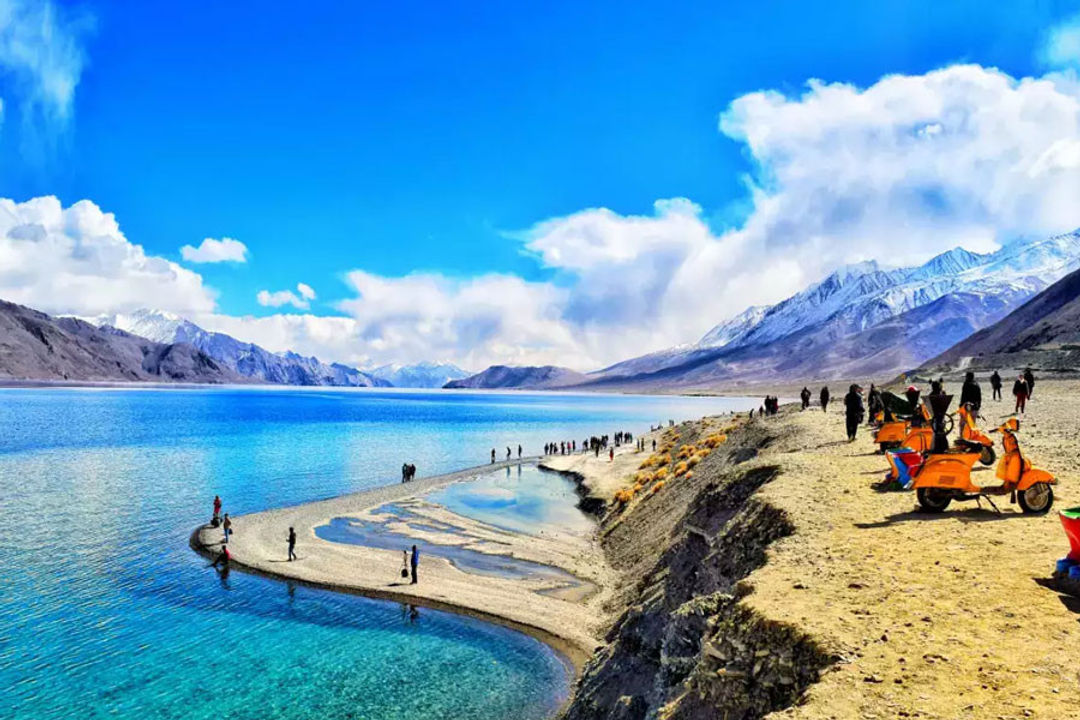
(1037, 499)
(933, 500)
(987, 456)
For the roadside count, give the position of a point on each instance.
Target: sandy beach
(911, 614)
(570, 620)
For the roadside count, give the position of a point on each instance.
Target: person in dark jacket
(414, 560)
(971, 392)
(1020, 392)
(853, 410)
(1029, 378)
(805, 396)
(824, 397)
(995, 385)
(874, 404)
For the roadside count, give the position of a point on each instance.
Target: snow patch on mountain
(247, 359)
(420, 375)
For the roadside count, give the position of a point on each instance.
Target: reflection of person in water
(413, 613)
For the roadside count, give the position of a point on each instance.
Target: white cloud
(1062, 45)
(76, 260)
(278, 298)
(898, 171)
(215, 251)
(41, 53)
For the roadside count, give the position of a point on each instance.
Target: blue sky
(398, 139)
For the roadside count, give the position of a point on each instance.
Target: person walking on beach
(492, 456)
(971, 392)
(805, 396)
(853, 411)
(292, 544)
(824, 397)
(414, 560)
(1029, 378)
(226, 525)
(995, 385)
(1020, 392)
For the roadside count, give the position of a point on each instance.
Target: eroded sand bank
(570, 621)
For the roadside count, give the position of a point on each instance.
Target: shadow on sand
(968, 515)
(1071, 602)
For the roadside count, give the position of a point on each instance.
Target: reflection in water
(532, 501)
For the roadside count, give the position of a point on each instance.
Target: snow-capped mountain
(865, 295)
(246, 359)
(421, 375)
(844, 323)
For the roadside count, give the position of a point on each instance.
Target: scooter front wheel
(933, 500)
(1037, 499)
(987, 456)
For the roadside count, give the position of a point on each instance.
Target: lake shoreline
(569, 628)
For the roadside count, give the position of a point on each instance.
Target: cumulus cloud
(898, 171)
(215, 251)
(41, 54)
(300, 299)
(76, 260)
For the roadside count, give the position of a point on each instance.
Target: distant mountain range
(245, 359)
(1043, 333)
(543, 377)
(860, 321)
(35, 346)
(421, 375)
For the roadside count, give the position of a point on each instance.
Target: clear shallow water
(523, 499)
(106, 612)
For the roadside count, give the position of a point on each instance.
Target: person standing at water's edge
(414, 560)
(217, 509)
(292, 544)
(519, 452)
(492, 456)
(226, 525)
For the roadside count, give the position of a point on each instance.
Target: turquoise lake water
(106, 612)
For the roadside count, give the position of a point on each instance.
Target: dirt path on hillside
(933, 616)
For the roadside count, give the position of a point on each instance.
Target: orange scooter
(894, 434)
(973, 439)
(944, 477)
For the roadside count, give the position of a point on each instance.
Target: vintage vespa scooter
(945, 474)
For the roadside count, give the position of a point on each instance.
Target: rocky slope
(245, 359)
(544, 377)
(684, 646)
(35, 346)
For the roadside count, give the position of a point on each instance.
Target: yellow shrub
(624, 496)
(660, 474)
(691, 462)
(689, 474)
(681, 469)
(656, 488)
